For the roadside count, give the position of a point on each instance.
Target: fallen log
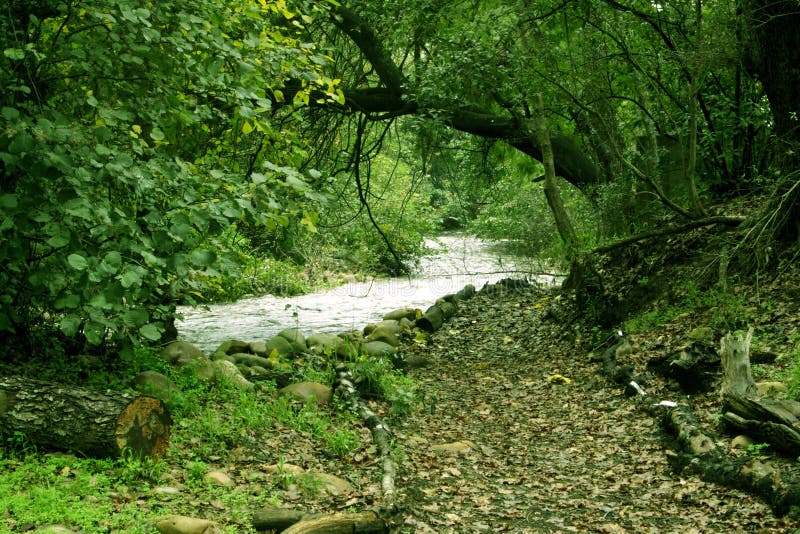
(776, 422)
(279, 519)
(436, 315)
(701, 456)
(95, 424)
(381, 435)
(356, 523)
(698, 453)
(694, 366)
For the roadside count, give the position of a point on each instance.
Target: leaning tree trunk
(551, 191)
(63, 417)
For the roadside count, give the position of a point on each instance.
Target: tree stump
(63, 417)
(773, 421)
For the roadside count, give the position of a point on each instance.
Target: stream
(455, 261)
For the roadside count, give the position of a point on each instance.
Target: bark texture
(62, 417)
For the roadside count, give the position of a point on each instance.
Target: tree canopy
(135, 134)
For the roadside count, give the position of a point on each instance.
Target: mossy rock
(407, 313)
(233, 346)
(385, 334)
(296, 338)
(281, 345)
(324, 343)
(181, 353)
(156, 385)
(377, 349)
(305, 391)
(387, 325)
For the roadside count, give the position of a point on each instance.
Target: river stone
(297, 339)
(771, 389)
(280, 345)
(258, 348)
(232, 346)
(741, 442)
(408, 313)
(457, 447)
(324, 343)
(252, 359)
(307, 390)
(178, 524)
(384, 334)
(378, 348)
(155, 384)
(387, 325)
(180, 353)
(218, 478)
(225, 370)
(330, 484)
(284, 469)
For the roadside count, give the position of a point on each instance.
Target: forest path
(526, 454)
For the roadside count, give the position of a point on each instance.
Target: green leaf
(134, 318)
(95, 332)
(130, 278)
(9, 114)
(70, 325)
(14, 53)
(67, 301)
(8, 201)
(152, 331)
(77, 262)
(156, 134)
(202, 257)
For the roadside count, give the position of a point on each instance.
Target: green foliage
(130, 139)
(722, 310)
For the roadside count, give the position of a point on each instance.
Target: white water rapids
(456, 261)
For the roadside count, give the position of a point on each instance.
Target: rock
(385, 334)
(252, 359)
(232, 346)
(218, 478)
(457, 447)
(204, 369)
(156, 385)
(178, 524)
(259, 348)
(324, 343)
(304, 391)
(349, 349)
(407, 313)
(387, 325)
(279, 344)
(741, 442)
(297, 339)
(54, 529)
(378, 348)
(227, 371)
(285, 469)
(181, 353)
(330, 484)
(702, 333)
(166, 490)
(771, 389)
(414, 361)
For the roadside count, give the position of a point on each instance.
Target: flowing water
(454, 262)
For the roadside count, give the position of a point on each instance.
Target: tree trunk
(772, 421)
(63, 417)
(551, 191)
(357, 523)
(735, 355)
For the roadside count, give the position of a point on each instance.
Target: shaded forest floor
(536, 455)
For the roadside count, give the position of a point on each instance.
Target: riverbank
(454, 261)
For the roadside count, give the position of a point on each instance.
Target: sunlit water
(455, 262)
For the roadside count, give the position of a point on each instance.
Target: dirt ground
(521, 433)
